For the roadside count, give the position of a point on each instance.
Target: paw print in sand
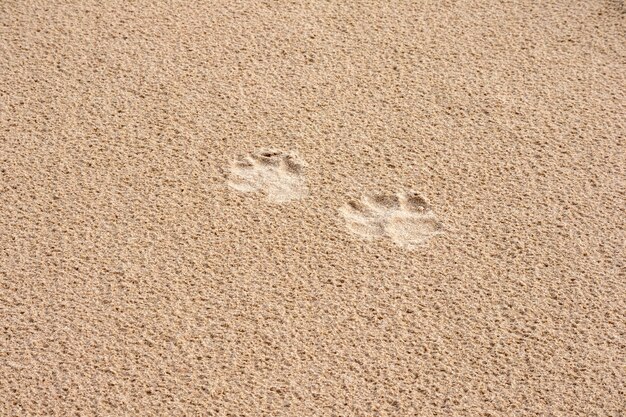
(405, 218)
(277, 174)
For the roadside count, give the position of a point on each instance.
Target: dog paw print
(279, 175)
(405, 218)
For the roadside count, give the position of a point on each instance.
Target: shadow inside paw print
(405, 218)
(279, 175)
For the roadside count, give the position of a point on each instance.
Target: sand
(322, 208)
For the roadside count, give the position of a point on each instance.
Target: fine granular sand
(317, 208)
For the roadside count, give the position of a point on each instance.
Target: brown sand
(135, 281)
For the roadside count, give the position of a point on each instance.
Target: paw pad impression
(405, 218)
(277, 174)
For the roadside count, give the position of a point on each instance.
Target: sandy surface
(259, 208)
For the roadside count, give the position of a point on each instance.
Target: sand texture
(313, 208)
